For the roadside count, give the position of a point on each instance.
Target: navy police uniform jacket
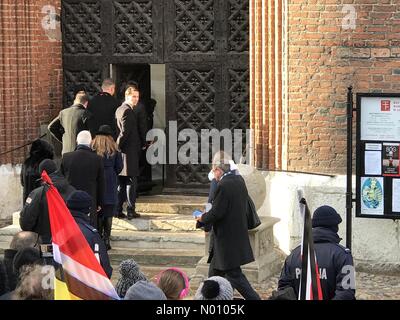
(335, 264)
(93, 237)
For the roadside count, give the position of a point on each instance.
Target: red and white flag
(79, 275)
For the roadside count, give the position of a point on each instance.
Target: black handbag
(253, 220)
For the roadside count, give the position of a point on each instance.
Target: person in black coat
(102, 108)
(30, 176)
(79, 204)
(84, 170)
(231, 243)
(34, 216)
(130, 142)
(335, 262)
(105, 146)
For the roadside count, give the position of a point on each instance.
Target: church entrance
(202, 46)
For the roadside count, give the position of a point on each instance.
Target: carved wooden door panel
(206, 50)
(98, 33)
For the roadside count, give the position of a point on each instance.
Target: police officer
(335, 262)
(79, 204)
(34, 216)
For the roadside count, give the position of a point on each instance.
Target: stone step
(157, 257)
(170, 204)
(157, 222)
(158, 240)
(149, 221)
(135, 239)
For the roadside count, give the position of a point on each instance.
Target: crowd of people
(103, 142)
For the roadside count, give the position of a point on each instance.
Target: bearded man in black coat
(228, 219)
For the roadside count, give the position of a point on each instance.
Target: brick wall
(266, 105)
(30, 72)
(329, 44)
(325, 57)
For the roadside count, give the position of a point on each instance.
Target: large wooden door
(206, 51)
(204, 44)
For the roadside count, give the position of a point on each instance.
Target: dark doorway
(125, 74)
(128, 73)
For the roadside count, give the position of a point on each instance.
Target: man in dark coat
(35, 215)
(130, 141)
(79, 204)
(335, 262)
(102, 108)
(30, 176)
(84, 170)
(66, 126)
(228, 218)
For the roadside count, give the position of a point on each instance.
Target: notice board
(377, 156)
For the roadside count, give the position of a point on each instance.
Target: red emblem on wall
(385, 105)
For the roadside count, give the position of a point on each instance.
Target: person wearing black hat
(335, 262)
(79, 204)
(21, 240)
(23, 258)
(105, 146)
(30, 176)
(34, 216)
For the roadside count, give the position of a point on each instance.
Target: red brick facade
(325, 56)
(30, 73)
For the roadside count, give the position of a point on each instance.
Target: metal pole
(349, 191)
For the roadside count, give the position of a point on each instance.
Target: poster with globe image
(372, 195)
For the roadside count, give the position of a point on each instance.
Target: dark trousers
(127, 187)
(237, 279)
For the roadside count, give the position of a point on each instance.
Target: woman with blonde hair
(105, 146)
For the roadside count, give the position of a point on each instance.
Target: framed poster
(378, 156)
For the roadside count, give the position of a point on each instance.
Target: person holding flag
(79, 204)
(79, 274)
(320, 268)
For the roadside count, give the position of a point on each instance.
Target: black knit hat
(49, 165)
(325, 216)
(105, 130)
(79, 200)
(24, 257)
